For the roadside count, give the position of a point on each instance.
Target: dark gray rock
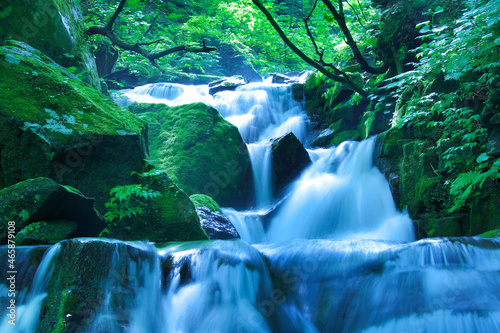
(289, 158)
(324, 139)
(494, 143)
(216, 225)
(229, 83)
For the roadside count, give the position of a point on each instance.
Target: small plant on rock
(129, 200)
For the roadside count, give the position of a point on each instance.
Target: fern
(463, 186)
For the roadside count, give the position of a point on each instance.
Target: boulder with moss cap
(45, 212)
(200, 150)
(54, 125)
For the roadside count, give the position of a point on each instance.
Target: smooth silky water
(329, 254)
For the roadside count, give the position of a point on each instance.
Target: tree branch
(352, 44)
(303, 56)
(357, 16)
(107, 31)
(117, 12)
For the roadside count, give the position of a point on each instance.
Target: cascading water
(342, 195)
(29, 298)
(331, 254)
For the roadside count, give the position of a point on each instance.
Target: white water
(341, 196)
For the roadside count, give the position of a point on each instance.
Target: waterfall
(343, 196)
(329, 253)
(214, 287)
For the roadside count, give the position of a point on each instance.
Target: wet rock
(289, 158)
(229, 83)
(92, 274)
(216, 225)
(324, 139)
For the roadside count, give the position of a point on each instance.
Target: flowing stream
(329, 254)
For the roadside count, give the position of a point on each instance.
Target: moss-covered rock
(212, 220)
(417, 163)
(30, 202)
(54, 125)
(202, 200)
(201, 152)
(54, 27)
(288, 158)
(449, 226)
(335, 106)
(93, 274)
(46, 233)
(171, 216)
(485, 210)
(491, 234)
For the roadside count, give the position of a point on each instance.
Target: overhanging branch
(107, 31)
(340, 19)
(303, 56)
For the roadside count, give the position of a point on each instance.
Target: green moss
(485, 212)
(344, 136)
(201, 152)
(202, 200)
(56, 28)
(491, 234)
(46, 233)
(433, 193)
(53, 103)
(170, 216)
(54, 125)
(85, 270)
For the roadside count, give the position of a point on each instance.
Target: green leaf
(482, 158)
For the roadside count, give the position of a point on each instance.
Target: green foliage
(463, 186)
(443, 97)
(239, 24)
(129, 200)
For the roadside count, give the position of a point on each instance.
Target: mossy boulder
(335, 106)
(92, 274)
(201, 152)
(46, 212)
(54, 125)
(56, 28)
(485, 209)
(171, 216)
(289, 158)
(448, 226)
